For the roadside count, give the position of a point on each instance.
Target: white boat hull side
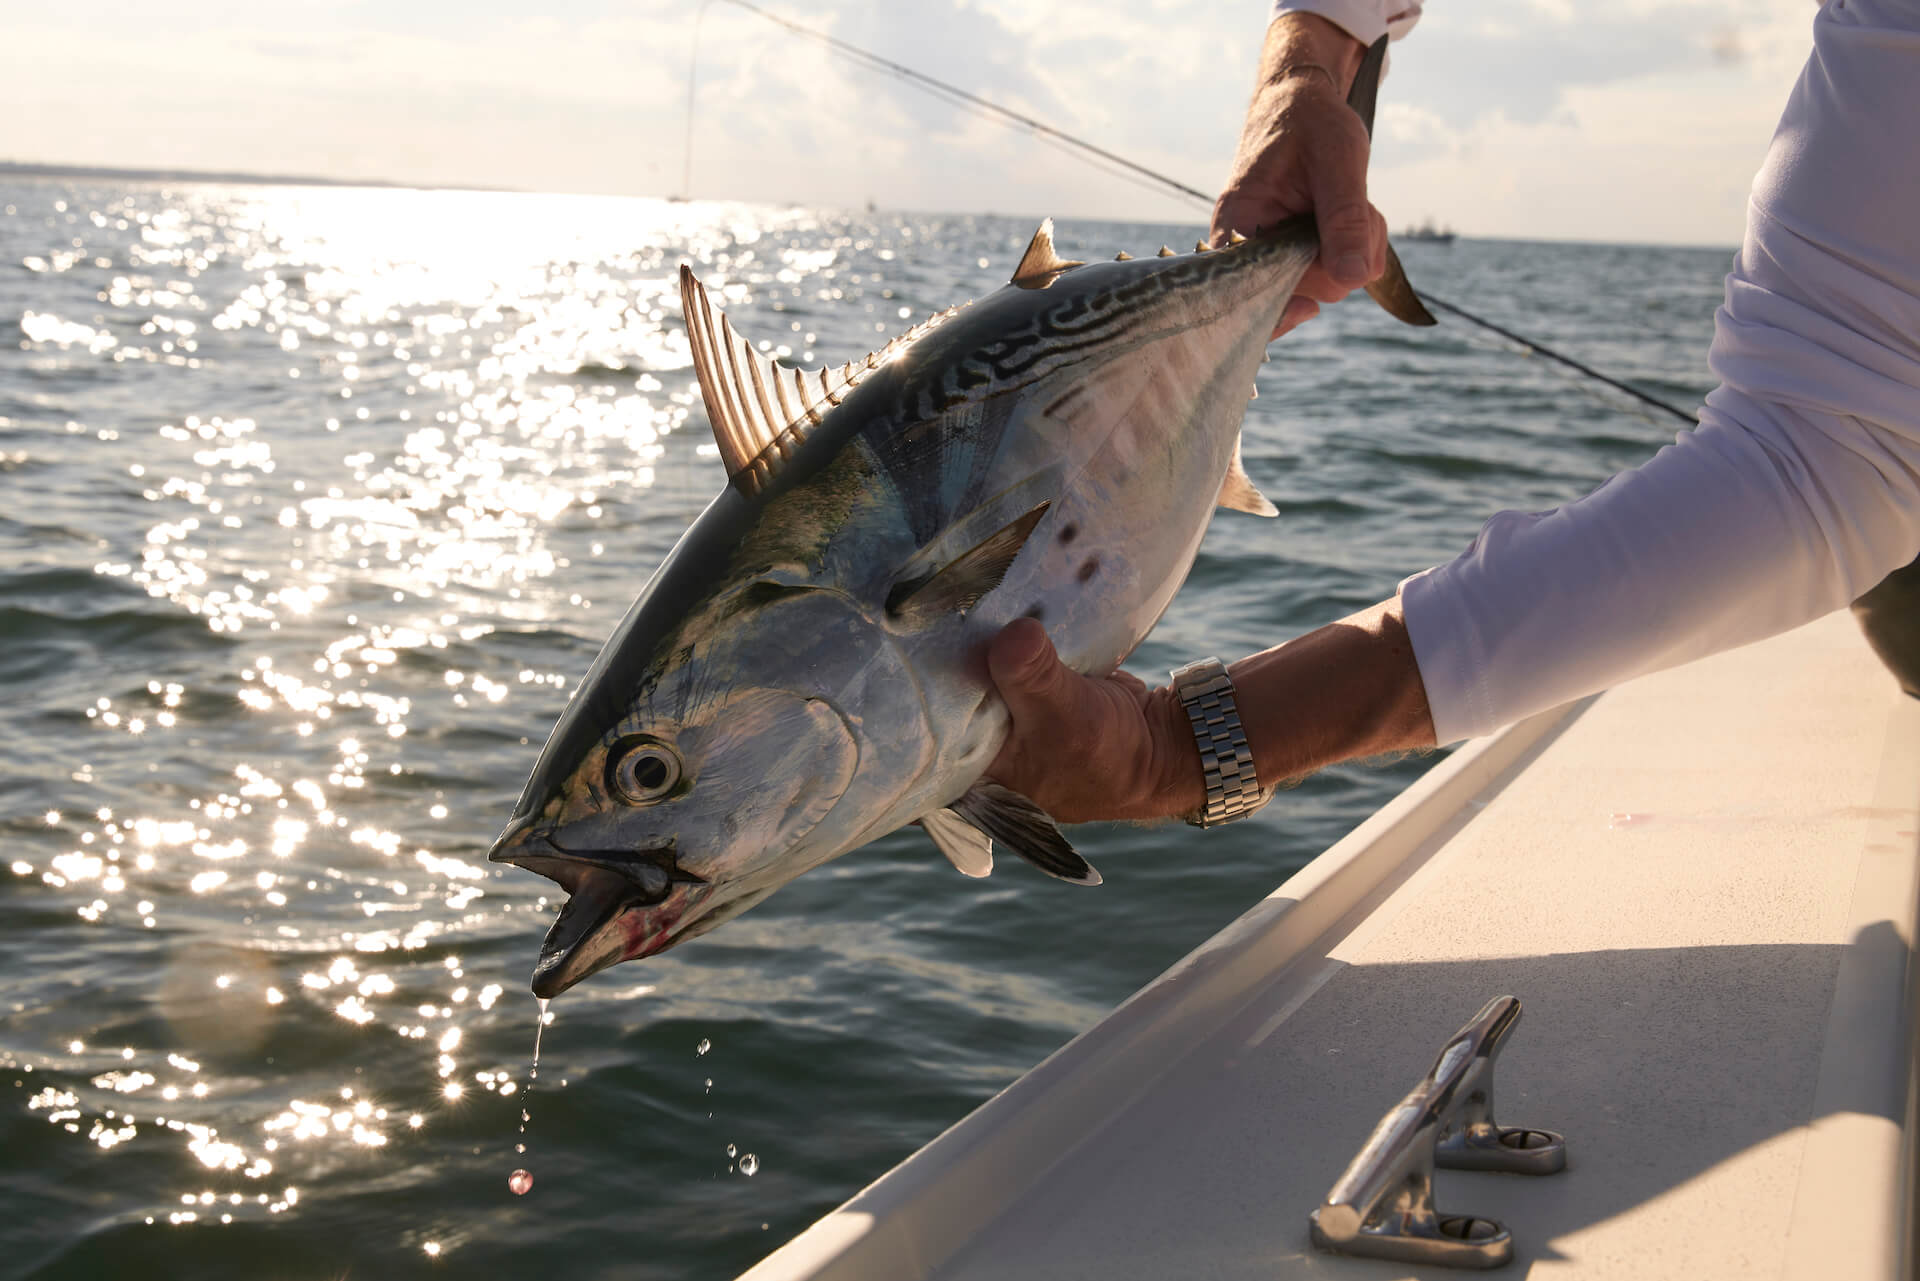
(1702, 886)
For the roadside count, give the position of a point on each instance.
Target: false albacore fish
(805, 672)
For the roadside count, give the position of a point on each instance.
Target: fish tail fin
(1392, 291)
(1396, 293)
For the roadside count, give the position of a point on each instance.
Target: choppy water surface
(313, 503)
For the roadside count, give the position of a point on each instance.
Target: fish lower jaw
(630, 931)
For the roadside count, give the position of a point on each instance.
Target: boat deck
(1702, 886)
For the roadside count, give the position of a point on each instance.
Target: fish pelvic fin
(760, 409)
(1392, 291)
(1237, 491)
(969, 849)
(957, 586)
(1040, 264)
(1023, 827)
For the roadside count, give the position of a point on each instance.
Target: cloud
(1665, 157)
(1469, 61)
(962, 44)
(1499, 117)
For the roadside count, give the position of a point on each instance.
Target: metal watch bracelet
(1233, 792)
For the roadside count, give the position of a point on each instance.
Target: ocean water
(315, 502)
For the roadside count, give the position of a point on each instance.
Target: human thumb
(1028, 672)
(1339, 182)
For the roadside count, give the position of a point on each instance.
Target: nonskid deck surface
(1701, 885)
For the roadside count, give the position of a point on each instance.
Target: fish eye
(642, 771)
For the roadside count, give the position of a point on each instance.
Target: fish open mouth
(579, 942)
(620, 904)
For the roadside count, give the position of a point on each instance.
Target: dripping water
(521, 1180)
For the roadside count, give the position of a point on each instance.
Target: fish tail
(1395, 292)
(1392, 291)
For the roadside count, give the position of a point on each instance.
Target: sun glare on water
(448, 400)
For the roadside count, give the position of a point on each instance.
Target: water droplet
(520, 1181)
(703, 1047)
(709, 1085)
(749, 1165)
(732, 1150)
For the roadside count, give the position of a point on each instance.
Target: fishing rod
(1100, 158)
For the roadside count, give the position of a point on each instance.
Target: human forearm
(1305, 44)
(1112, 748)
(1350, 689)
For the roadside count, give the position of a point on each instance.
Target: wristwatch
(1233, 792)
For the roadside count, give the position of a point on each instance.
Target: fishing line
(1530, 347)
(1117, 166)
(959, 96)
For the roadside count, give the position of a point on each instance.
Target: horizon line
(137, 173)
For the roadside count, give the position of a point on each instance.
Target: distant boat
(1429, 233)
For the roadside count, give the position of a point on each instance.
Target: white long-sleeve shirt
(1799, 490)
(1364, 20)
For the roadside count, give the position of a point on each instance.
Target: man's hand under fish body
(806, 671)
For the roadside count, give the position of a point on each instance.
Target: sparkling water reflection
(315, 504)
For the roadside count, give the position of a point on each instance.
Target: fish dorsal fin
(969, 849)
(957, 586)
(1024, 828)
(1040, 264)
(762, 410)
(1237, 491)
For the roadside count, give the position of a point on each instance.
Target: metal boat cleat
(1382, 1206)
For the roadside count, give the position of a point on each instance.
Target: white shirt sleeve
(1364, 20)
(1801, 487)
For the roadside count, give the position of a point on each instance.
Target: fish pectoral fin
(1237, 491)
(957, 586)
(1024, 828)
(969, 849)
(760, 409)
(1040, 264)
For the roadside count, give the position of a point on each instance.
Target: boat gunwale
(910, 1221)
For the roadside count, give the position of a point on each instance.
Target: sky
(1630, 121)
